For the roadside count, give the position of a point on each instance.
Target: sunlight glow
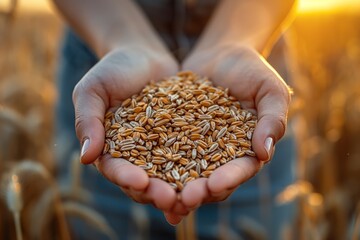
(292, 192)
(36, 5)
(28, 6)
(306, 6)
(315, 200)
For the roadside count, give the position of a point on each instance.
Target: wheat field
(324, 47)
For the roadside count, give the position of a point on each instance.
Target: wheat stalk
(190, 229)
(95, 219)
(224, 220)
(31, 167)
(141, 220)
(251, 228)
(42, 212)
(14, 202)
(356, 232)
(74, 190)
(185, 230)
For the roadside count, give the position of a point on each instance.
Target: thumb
(272, 118)
(89, 116)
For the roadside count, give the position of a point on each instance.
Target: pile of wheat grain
(179, 129)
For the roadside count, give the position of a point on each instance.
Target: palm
(259, 89)
(124, 73)
(115, 78)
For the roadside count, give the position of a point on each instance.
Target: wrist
(113, 39)
(221, 47)
(142, 46)
(118, 43)
(143, 50)
(142, 54)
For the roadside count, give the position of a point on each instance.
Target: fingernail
(175, 224)
(84, 148)
(269, 144)
(172, 224)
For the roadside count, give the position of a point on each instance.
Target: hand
(259, 89)
(117, 76)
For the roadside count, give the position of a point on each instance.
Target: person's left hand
(259, 89)
(118, 75)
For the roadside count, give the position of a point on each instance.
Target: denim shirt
(179, 22)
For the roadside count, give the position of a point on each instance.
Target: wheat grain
(179, 129)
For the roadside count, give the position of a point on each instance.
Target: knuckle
(76, 91)
(281, 120)
(285, 90)
(79, 88)
(78, 125)
(288, 93)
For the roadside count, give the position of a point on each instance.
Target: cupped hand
(118, 75)
(221, 183)
(259, 89)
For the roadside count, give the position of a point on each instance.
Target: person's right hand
(118, 75)
(261, 90)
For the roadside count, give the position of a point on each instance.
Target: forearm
(255, 23)
(109, 24)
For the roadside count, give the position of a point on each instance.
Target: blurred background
(324, 48)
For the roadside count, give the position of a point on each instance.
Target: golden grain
(174, 129)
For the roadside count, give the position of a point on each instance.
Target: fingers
(161, 194)
(179, 208)
(157, 193)
(136, 184)
(195, 193)
(272, 106)
(221, 183)
(232, 174)
(123, 173)
(172, 218)
(89, 114)
(219, 186)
